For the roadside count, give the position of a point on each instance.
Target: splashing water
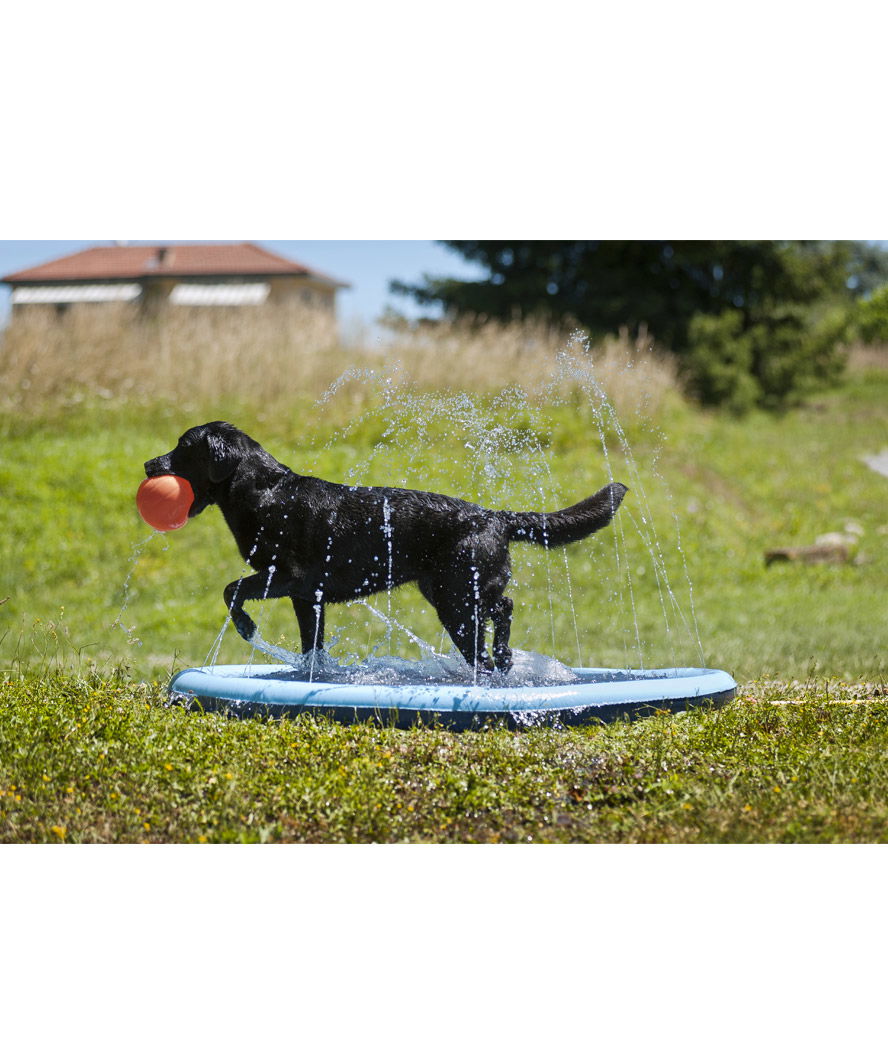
(605, 417)
(505, 462)
(528, 670)
(387, 531)
(130, 630)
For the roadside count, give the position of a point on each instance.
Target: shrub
(872, 318)
(718, 365)
(772, 363)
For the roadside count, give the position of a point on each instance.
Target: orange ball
(164, 500)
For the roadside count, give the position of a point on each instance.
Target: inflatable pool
(592, 695)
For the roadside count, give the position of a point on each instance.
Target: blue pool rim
(601, 695)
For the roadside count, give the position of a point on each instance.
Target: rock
(878, 462)
(835, 540)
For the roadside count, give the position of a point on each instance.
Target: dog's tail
(570, 524)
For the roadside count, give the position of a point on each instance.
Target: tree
(868, 270)
(772, 295)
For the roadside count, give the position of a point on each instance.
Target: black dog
(320, 542)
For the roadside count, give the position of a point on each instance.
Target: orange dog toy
(164, 500)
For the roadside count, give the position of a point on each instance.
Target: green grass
(75, 556)
(96, 612)
(105, 760)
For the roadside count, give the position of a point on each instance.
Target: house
(173, 276)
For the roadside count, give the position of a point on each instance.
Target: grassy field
(96, 611)
(102, 760)
(84, 578)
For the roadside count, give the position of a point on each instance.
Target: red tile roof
(144, 261)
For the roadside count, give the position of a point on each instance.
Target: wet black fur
(320, 542)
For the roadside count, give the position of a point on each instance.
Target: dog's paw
(503, 660)
(244, 624)
(485, 664)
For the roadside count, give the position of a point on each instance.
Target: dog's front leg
(255, 587)
(311, 622)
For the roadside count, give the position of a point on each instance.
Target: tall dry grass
(269, 358)
(110, 351)
(534, 356)
(864, 357)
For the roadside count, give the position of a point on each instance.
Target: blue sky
(368, 266)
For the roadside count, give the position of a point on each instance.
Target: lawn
(105, 760)
(97, 612)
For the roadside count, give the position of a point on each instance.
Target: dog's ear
(223, 458)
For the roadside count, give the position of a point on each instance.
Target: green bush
(718, 366)
(872, 318)
(771, 362)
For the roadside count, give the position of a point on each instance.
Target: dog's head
(206, 456)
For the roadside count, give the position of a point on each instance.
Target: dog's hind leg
(311, 622)
(465, 626)
(462, 615)
(501, 613)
